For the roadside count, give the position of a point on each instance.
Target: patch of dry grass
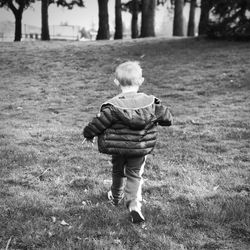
(197, 192)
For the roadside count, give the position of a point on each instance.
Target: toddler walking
(126, 127)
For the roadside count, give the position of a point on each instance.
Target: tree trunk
(191, 20)
(178, 29)
(118, 20)
(134, 22)
(18, 13)
(18, 26)
(45, 21)
(103, 31)
(204, 17)
(148, 18)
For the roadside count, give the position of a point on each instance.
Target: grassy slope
(197, 192)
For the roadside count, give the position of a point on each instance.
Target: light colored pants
(127, 176)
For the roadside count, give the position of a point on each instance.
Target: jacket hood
(136, 110)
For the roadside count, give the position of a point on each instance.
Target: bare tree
(206, 5)
(134, 21)
(148, 15)
(134, 7)
(45, 20)
(45, 17)
(103, 31)
(17, 7)
(178, 29)
(118, 20)
(148, 18)
(191, 20)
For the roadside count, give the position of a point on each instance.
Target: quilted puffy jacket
(127, 124)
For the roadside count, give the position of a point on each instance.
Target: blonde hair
(128, 73)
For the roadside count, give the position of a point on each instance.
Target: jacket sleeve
(101, 122)
(163, 115)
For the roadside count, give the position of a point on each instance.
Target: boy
(127, 129)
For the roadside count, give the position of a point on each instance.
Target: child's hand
(89, 141)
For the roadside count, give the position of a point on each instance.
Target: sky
(84, 17)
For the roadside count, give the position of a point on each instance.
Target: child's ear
(141, 81)
(116, 82)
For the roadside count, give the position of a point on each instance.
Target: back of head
(128, 73)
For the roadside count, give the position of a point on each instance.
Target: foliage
(10, 3)
(128, 6)
(231, 19)
(68, 4)
(26, 3)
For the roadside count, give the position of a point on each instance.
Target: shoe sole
(136, 217)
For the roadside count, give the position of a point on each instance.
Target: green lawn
(197, 181)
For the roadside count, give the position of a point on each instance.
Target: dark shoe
(136, 216)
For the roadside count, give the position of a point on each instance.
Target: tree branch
(12, 7)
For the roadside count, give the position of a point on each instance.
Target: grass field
(197, 181)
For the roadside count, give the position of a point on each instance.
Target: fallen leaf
(53, 219)
(50, 234)
(64, 223)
